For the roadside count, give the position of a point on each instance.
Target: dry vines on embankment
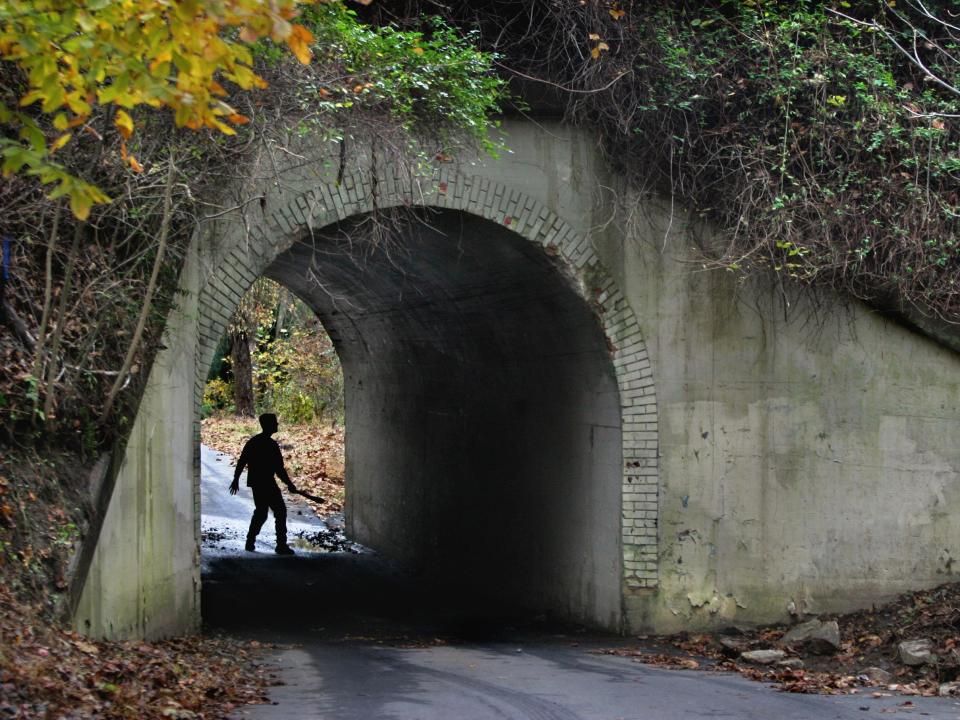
(820, 152)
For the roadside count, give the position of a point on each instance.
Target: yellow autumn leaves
(599, 46)
(80, 54)
(299, 41)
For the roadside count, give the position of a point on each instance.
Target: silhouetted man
(261, 456)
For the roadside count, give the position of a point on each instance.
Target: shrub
(217, 396)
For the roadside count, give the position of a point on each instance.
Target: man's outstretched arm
(281, 471)
(241, 464)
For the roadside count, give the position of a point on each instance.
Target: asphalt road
(360, 639)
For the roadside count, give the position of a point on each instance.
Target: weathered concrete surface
(769, 463)
(808, 455)
(144, 578)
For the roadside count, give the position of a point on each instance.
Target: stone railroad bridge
(546, 393)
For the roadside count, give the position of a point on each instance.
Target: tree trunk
(49, 400)
(242, 368)
(283, 301)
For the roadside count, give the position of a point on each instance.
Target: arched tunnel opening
(482, 412)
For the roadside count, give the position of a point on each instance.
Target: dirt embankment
(47, 670)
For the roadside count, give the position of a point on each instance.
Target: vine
(822, 150)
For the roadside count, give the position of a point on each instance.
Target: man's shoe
(284, 550)
(250, 547)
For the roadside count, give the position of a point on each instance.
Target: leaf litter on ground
(869, 641)
(312, 455)
(48, 672)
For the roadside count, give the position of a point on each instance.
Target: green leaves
(33, 160)
(801, 134)
(435, 79)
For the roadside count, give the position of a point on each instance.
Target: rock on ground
(820, 638)
(915, 652)
(733, 647)
(762, 657)
(877, 675)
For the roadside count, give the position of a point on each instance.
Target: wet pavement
(361, 639)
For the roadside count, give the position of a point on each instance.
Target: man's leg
(261, 504)
(280, 518)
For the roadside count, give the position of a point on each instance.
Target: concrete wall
(567, 376)
(144, 578)
(768, 462)
(809, 454)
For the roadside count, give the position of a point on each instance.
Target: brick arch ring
(245, 259)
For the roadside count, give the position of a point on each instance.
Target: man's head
(268, 421)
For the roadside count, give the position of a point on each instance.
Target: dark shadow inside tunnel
(482, 409)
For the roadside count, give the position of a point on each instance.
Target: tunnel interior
(482, 408)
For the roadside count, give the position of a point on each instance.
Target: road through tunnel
(482, 408)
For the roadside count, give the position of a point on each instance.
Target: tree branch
(119, 383)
